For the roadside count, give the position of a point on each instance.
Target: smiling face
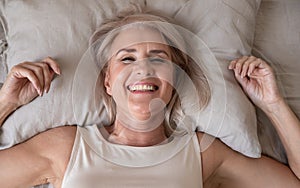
(140, 73)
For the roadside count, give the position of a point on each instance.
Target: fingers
(246, 65)
(40, 74)
(236, 65)
(19, 71)
(53, 65)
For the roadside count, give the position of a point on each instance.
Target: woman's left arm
(258, 81)
(288, 129)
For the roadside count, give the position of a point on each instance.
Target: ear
(107, 84)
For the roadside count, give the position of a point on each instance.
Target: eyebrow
(130, 50)
(159, 52)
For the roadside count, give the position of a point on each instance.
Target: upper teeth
(141, 88)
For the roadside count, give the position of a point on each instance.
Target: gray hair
(136, 17)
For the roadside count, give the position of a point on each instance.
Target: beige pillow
(61, 29)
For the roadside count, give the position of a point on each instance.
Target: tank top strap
(132, 156)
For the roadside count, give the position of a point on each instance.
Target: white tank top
(97, 163)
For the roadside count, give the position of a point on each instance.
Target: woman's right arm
(5, 110)
(41, 159)
(28, 163)
(24, 82)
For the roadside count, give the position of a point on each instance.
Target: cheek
(166, 91)
(115, 73)
(169, 92)
(166, 73)
(119, 77)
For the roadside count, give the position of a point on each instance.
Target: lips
(142, 87)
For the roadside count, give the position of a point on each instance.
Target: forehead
(138, 36)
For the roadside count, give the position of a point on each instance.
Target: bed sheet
(2, 48)
(277, 40)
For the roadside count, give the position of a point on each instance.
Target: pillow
(277, 40)
(61, 29)
(227, 27)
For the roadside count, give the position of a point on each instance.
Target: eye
(128, 59)
(157, 60)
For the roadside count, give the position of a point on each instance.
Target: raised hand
(257, 80)
(27, 80)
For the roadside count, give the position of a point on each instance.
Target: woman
(134, 151)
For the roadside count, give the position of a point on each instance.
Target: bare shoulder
(215, 158)
(41, 159)
(59, 134)
(212, 147)
(54, 144)
(213, 153)
(53, 139)
(224, 167)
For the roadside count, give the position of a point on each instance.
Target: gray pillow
(61, 29)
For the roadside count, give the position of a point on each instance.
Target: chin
(144, 116)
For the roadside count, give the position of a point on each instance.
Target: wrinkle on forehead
(136, 35)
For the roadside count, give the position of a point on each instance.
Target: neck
(121, 134)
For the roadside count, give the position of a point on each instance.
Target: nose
(144, 68)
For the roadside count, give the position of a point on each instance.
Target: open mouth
(142, 87)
